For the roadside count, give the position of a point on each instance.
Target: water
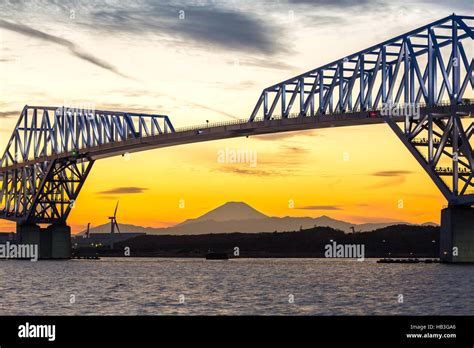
(236, 287)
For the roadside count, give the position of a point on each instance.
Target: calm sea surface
(124, 286)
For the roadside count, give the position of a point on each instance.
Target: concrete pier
(54, 242)
(60, 241)
(457, 234)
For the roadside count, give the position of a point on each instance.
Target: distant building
(97, 239)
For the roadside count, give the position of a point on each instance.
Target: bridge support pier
(54, 242)
(457, 234)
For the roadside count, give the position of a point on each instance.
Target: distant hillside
(240, 217)
(392, 241)
(230, 211)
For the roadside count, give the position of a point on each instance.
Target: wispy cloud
(334, 3)
(320, 207)
(10, 113)
(393, 178)
(123, 190)
(255, 171)
(72, 47)
(294, 149)
(265, 63)
(210, 24)
(236, 85)
(392, 173)
(286, 135)
(245, 171)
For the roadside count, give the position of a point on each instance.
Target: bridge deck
(234, 129)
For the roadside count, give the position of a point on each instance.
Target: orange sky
(358, 174)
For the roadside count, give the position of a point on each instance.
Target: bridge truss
(411, 75)
(46, 161)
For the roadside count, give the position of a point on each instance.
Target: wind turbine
(113, 221)
(87, 232)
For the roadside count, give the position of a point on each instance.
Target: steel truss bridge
(430, 70)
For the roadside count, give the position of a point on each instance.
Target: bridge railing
(203, 126)
(424, 65)
(38, 133)
(210, 125)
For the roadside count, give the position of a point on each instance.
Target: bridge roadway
(238, 128)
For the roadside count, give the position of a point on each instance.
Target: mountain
(228, 212)
(240, 217)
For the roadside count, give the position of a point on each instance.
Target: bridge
(419, 83)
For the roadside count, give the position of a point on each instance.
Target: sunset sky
(209, 60)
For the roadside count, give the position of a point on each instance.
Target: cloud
(294, 149)
(289, 161)
(236, 85)
(320, 207)
(256, 172)
(332, 207)
(459, 4)
(7, 114)
(73, 49)
(392, 173)
(340, 5)
(394, 178)
(334, 3)
(286, 135)
(206, 24)
(241, 171)
(124, 190)
(265, 63)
